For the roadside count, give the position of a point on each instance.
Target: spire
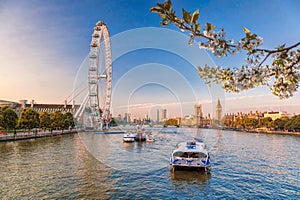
(219, 103)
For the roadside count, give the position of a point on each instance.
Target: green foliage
(266, 122)
(171, 122)
(186, 16)
(282, 76)
(293, 123)
(45, 121)
(68, 120)
(28, 119)
(284, 123)
(247, 122)
(114, 122)
(279, 123)
(57, 120)
(195, 16)
(250, 122)
(1, 118)
(209, 27)
(8, 118)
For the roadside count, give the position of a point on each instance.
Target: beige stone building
(276, 115)
(18, 106)
(196, 120)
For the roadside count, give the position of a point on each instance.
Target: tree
(1, 118)
(114, 122)
(239, 123)
(266, 122)
(8, 118)
(29, 119)
(296, 123)
(57, 120)
(282, 76)
(289, 125)
(227, 122)
(280, 123)
(68, 120)
(172, 122)
(293, 123)
(45, 121)
(250, 122)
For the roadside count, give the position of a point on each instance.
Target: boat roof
(191, 146)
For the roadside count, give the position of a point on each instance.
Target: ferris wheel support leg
(82, 106)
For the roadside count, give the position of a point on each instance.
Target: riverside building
(49, 108)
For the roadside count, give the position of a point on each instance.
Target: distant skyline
(44, 45)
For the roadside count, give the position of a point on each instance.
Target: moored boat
(128, 137)
(150, 138)
(191, 155)
(140, 137)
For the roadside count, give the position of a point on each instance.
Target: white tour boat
(191, 155)
(129, 136)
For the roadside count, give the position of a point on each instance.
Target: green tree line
(284, 123)
(29, 119)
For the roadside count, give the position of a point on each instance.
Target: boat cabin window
(180, 154)
(191, 143)
(189, 154)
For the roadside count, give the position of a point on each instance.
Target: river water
(101, 166)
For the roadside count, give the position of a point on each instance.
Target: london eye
(99, 79)
(98, 99)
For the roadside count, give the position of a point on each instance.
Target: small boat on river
(150, 138)
(140, 135)
(191, 155)
(129, 136)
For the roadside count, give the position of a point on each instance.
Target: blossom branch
(282, 76)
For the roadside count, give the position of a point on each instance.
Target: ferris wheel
(100, 76)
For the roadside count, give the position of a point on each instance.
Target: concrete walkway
(30, 135)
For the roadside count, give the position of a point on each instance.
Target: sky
(45, 44)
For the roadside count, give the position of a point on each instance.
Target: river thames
(101, 166)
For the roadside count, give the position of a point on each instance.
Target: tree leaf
(281, 47)
(247, 31)
(197, 27)
(186, 16)
(208, 26)
(163, 16)
(168, 5)
(156, 9)
(195, 16)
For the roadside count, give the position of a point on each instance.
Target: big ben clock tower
(218, 112)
